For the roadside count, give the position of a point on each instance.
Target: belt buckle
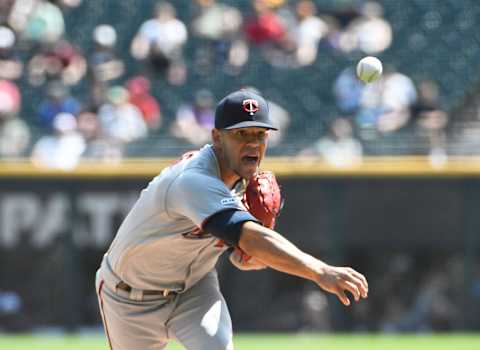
(166, 292)
(136, 294)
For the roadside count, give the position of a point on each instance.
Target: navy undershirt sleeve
(227, 225)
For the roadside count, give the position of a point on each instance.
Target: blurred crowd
(391, 106)
(117, 108)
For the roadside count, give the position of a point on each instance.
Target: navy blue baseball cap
(243, 109)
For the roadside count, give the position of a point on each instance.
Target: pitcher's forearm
(277, 252)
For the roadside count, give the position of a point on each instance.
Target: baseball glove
(263, 200)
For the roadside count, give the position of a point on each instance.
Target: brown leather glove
(262, 198)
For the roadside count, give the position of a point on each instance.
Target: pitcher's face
(242, 149)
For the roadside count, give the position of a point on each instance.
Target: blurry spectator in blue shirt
(385, 105)
(348, 91)
(58, 100)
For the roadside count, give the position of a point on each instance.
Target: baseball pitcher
(157, 281)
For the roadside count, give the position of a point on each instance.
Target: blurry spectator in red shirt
(271, 30)
(265, 26)
(11, 67)
(139, 90)
(10, 97)
(62, 61)
(14, 132)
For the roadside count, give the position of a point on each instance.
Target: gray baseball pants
(198, 318)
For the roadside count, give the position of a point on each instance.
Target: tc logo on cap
(250, 105)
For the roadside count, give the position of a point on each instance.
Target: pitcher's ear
(215, 136)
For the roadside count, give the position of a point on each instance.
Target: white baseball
(369, 69)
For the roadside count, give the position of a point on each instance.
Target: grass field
(272, 342)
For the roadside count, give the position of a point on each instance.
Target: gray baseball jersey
(160, 243)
